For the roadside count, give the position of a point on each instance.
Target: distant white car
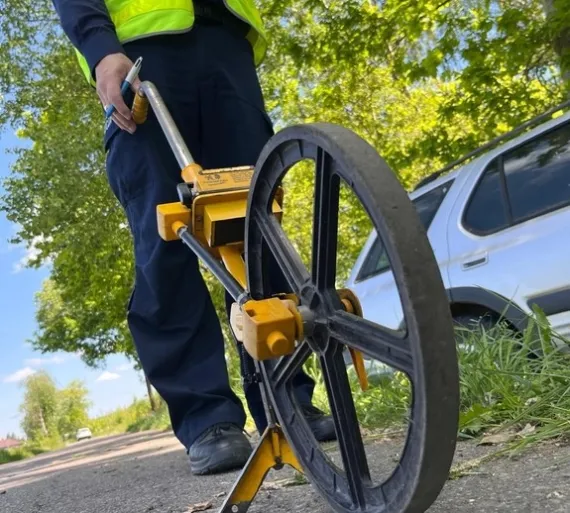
(83, 434)
(499, 229)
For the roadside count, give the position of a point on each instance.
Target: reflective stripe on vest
(136, 19)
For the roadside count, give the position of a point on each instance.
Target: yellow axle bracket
(273, 452)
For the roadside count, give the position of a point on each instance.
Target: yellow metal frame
(270, 326)
(233, 261)
(272, 452)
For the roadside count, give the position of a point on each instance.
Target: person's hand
(109, 75)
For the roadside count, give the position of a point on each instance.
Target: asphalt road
(148, 472)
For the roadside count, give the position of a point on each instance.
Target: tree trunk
(150, 394)
(556, 12)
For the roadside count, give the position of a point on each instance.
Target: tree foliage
(73, 405)
(424, 81)
(49, 412)
(39, 407)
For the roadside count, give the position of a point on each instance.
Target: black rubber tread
(426, 459)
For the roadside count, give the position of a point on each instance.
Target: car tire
(487, 321)
(472, 323)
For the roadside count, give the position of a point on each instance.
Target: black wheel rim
(425, 352)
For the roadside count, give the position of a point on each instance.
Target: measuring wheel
(423, 349)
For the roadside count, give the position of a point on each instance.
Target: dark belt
(210, 13)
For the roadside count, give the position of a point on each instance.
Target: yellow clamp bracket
(170, 218)
(190, 174)
(270, 327)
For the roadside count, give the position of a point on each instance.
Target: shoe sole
(220, 462)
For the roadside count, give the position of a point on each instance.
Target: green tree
(72, 408)
(558, 14)
(423, 81)
(450, 74)
(39, 407)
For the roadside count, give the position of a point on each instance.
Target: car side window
(426, 205)
(526, 182)
(538, 175)
(376, 261)
(487, 209)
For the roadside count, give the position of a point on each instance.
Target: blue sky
(116, 384)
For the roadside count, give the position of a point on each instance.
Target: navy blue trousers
(209, 83)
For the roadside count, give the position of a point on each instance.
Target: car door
(373, 281)
(511, 235)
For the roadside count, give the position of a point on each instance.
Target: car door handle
(475, 262)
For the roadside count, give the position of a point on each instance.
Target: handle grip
(140, 108)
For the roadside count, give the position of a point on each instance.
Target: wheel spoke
(346, 422)
(288, 366)
(325, 222)
(373, 340)
(288, 260)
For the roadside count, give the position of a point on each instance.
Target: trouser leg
(171, 315)
(234, 128)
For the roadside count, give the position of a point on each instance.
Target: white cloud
(32, 252)
(39, 362)
(124, 367)
(19, 375)
(108, 376)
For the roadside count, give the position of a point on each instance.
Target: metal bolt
(235, 509)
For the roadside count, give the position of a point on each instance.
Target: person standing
(202, 55)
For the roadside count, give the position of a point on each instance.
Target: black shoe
(322, 425)
(221, 448)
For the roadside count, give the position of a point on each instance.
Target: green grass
(29, 449)
(508, 384)
(138, 416)
(133, 418)
(518, 385)
(15, 454)
(157, 420)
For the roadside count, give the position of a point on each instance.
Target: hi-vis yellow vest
(135, 19)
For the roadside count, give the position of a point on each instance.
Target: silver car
(500, 230)
(83, 434)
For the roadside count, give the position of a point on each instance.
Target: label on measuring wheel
(225, 179)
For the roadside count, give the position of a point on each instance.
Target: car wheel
(466, 323)
(487, 321)
(469, 323)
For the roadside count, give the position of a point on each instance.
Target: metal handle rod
(214, 266)
(173, 136)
